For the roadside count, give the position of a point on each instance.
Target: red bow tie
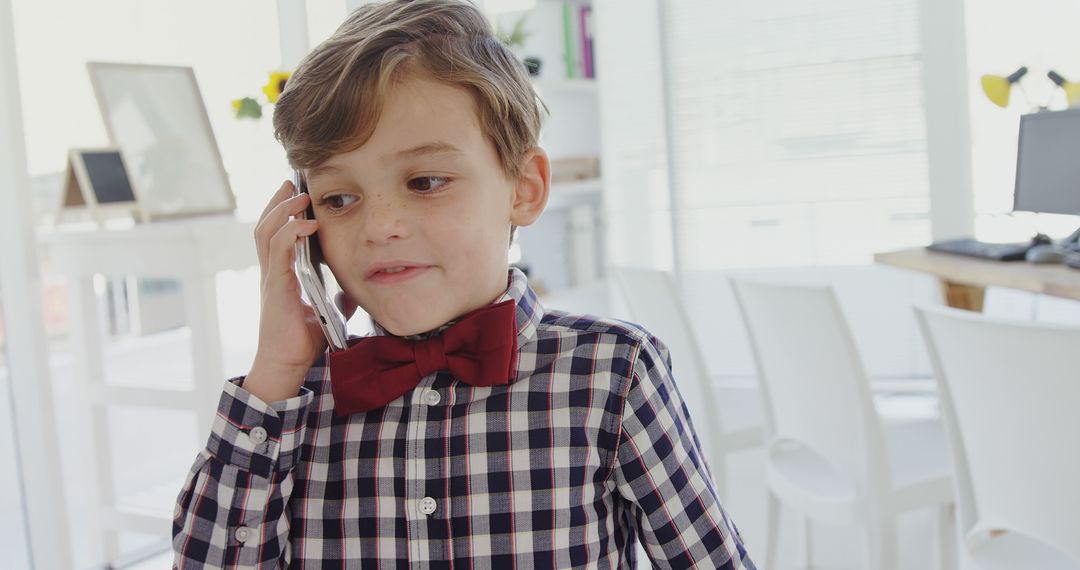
(480, 349)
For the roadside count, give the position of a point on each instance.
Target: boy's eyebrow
(426, 149)
(321, 170)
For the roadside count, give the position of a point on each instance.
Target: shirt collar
(529, 310)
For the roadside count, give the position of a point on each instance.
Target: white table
(193, 251)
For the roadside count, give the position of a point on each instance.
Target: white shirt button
(432, 397)
(257, 435)
(428, 505)
(244, 533)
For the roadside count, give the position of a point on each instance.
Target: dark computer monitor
(1048, 163)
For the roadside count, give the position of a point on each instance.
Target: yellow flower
(276, 85)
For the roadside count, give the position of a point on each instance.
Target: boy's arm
(661, 472)
(231, 511)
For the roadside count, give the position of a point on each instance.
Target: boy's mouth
(394, 271)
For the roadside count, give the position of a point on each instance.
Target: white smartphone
(331, 320)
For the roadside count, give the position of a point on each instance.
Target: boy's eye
(420, 184)
(336, 201)
(427, 184)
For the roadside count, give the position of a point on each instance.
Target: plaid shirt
(587, 451)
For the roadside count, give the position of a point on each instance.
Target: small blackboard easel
(97, 183)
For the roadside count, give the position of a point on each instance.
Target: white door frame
(292, 32)
(27, 344)
(948, 119)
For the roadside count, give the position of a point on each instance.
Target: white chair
(1010, 395)
(727, 419)
(829, 456)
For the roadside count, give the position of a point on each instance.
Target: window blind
(789, 116)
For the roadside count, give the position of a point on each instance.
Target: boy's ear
(531, 190)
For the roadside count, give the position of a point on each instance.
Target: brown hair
(333, 100)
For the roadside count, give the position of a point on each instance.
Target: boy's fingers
(283, 244)
(262, 226)
(274, 220)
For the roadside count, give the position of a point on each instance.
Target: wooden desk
(964, 279)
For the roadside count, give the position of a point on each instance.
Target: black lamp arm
(1016, 75)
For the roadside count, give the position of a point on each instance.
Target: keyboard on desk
(983, 250)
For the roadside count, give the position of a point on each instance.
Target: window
(798, 132)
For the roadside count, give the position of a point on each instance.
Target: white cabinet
(746, 236)
(802, 233)
(849, 232)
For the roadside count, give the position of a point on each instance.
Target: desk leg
(961, 296)
(88, 354)
(200, 298)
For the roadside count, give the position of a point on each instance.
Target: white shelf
(564, 248)
(587, 186)
(577, 85)
(563, 194)
(588, 2)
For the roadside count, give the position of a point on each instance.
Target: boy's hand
(290, 338)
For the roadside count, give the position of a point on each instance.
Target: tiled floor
(153, 450)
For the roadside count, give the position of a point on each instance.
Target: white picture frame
(156, 115)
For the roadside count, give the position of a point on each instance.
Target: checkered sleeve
(231, 510)
(660, 471)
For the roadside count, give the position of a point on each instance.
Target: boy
(474, 428)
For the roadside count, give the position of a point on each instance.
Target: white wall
(1002, 36)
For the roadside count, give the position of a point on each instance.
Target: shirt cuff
(255, 436)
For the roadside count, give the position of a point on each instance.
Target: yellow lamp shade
(1072, 93)
(1072, 90)
(997, 87)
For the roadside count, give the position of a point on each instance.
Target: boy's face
(425, 192)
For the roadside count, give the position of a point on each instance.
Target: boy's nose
(384, 218)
